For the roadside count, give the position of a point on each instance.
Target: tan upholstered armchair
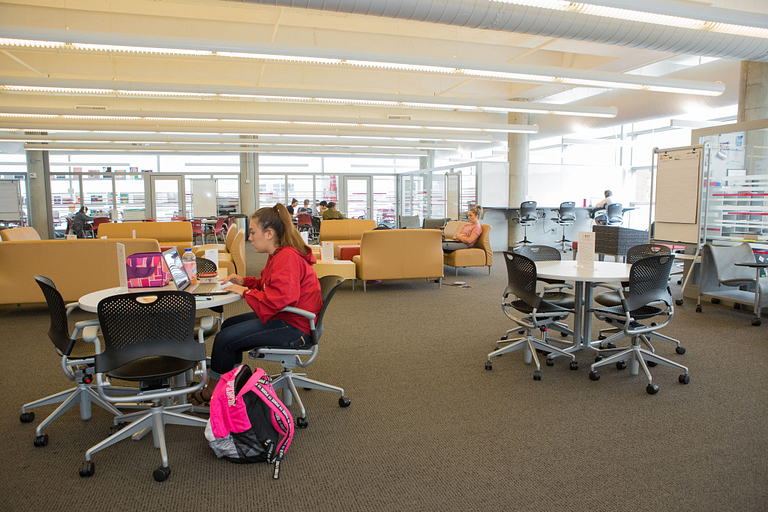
(233, 260)
(480, 255)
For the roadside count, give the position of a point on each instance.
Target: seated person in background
(292, 206)
(304, 209)
(321, 207)
(599, 212)
(78, 223)
(288, 279)
(332, 212)
(469, 233)
(605, 202)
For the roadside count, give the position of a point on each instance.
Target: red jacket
(287, 280)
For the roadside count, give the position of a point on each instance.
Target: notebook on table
(182, 280)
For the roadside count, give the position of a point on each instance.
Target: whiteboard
(204, 198)
(493, 184)
(452, 190)
(678, 191)
(10, 200)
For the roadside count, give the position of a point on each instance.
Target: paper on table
(213, 255)
(326, 251)
(121, 270)
(305, 236)
(586, 257)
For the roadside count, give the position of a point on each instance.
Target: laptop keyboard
(207, 288)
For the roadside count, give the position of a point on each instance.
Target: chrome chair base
(531, 344)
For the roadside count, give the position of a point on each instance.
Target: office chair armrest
(91, 335)
(557, 287)
(614, 287)
(71, 307)
(206, 324)
(306, 314)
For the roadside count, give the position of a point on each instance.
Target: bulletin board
(10, 200)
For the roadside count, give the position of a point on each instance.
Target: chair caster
(715, 300)
(698, 309)
(652, 389)
(680, 350)
(550, 362)
(601, 337)
(756, 322)
(679, 281)
(27, 417)
(598, 359)
(684, 379)
(574, 365)
(563, 334)
(41, 441)
(537, 375)
(593, 375)
(88, 469)
(161, 474)
(344, 401)
(488, 365)
(621, 365)
(736, 305)
(302, 422)
(679, 302)
(652, 363)
(114, 429)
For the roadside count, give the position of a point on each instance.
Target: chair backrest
(528, 210)
(24, 233)
(230, 238)
(521, 282)
(409, 222)
(540, 253)
(434, 223)
(613, 211)
(567, 212)
(148, 326)
(304, 219)
(59, 330)
(237, 250)
(197, 227)
(648, 281)
(205, 265)
(98, 221)
(328, 287)
(641, 251)
(219, 227)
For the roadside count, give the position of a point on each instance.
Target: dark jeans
(246, 331)
(450, 246)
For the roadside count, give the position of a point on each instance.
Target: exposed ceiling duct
(490, 15)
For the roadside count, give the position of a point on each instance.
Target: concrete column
(39, 194)
(249, 182)
(518, 173)
(753, 105)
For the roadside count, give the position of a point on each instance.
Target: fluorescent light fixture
(450, 67)
(373, 100)
(666, 20)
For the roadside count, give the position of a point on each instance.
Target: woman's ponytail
(280, 221)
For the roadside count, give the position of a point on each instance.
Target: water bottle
(190, 264)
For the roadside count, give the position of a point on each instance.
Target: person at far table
(599, 213)
(468, 235)
(292, 206)
(288, 279)
(306, 209)
(78, 223)
(332, 213)
(605, 202)
(321, 207)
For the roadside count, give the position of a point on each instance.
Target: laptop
(181, 278)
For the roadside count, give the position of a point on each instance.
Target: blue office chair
(566, 216)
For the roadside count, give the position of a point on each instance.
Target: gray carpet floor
(429, 428)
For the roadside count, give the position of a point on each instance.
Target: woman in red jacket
(288, 279)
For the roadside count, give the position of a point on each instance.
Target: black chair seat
(563, 300)
(641, 313)
(151, 368)
(608, 299)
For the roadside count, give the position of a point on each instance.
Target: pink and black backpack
(248, 422)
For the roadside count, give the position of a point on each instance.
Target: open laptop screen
(176, 268)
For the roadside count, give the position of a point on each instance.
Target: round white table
(90, 302)
(567, 270)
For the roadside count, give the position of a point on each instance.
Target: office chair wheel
(344, 401)
(593, 375)
(652, 389)
(27, 417)
(161, 474)
(598, 359)
(601, 337)
(537, 375)
(114, 429)
(302, 422)
(550, 362)
(88, 469)
(504, 338)
(679, 281)
(654, 324)
(574, 365)
(756, 322)
(715, 300)
(488, 365)
(621, 365)
(563, 334)
(736, 305)
(680, 350)
(41, 441)
(652, 363)
(698, 309)
(679, 302)
(684, 379)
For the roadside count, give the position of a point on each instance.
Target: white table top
(90, 302)
(603, 271)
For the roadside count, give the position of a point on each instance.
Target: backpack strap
(281, 417)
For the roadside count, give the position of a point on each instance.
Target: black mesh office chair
(543, 310)
(149, 338)
(614, 214)
(76, 361)
(290, 358)
(205, 265)
(526, 217)
(566, 216)
(648, 298)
